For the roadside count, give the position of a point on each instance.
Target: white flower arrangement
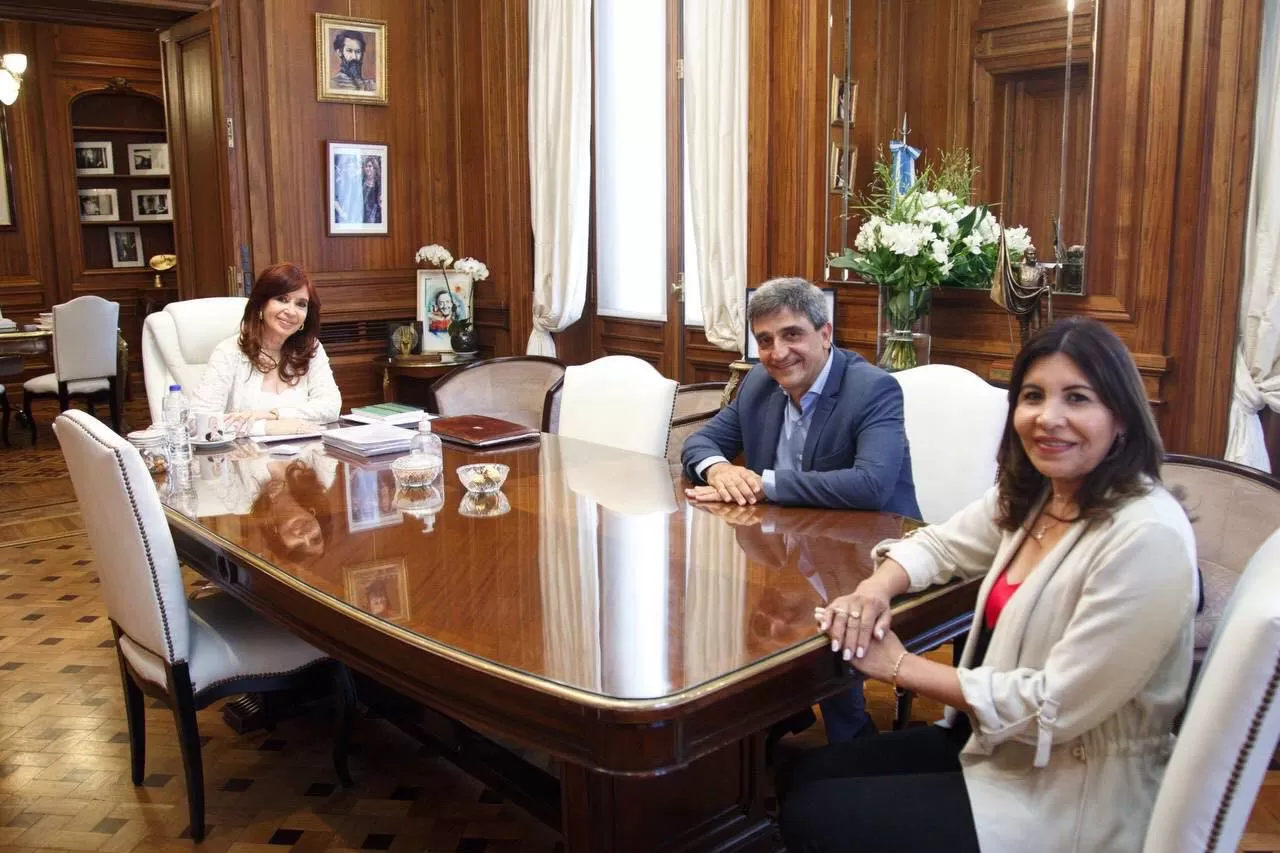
(470, 266)
(435, 254)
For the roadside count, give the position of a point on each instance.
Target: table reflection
(597, 574)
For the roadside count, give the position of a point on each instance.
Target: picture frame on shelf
(443, 296)
(94, 158)
(357, 188)
(126, 246)
(751, 350)
(152, 205)
(99, 205)
(844, 99)
(841, 169)
(380, 589)
(149, 158)
(351, 59)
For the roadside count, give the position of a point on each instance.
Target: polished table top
(589, 574)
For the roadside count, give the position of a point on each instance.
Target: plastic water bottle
(176, 438)
(427, 444)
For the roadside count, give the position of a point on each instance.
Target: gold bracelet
(897, 665)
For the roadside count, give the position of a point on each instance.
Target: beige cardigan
(1085, 672)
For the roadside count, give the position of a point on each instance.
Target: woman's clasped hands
(858, 625)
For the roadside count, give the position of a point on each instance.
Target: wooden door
(201, 141)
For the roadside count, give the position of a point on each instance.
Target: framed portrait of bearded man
(351, 59)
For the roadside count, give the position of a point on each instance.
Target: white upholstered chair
(177, 342)
(85, 361)
(187, 653)
(513, 388)
(1233, 511)
(954, 421)
(618, 400)
(1229, 733)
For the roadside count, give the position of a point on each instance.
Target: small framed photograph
(351, 59)
(149, 158)
(371, 494)
(841, 168)
(443, 296)
(126, 246)
(844, 99)
(153, 205)
(357, 188)
(380, 589)
(94, 158)
(99, 205)
(751, 350)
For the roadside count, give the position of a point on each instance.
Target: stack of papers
(369, 439)
(386, 413)
(8, 325)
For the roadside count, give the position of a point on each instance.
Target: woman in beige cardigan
(1059, 718)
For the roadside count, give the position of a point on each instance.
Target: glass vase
(902, 328)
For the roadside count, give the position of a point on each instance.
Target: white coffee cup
(207, 426)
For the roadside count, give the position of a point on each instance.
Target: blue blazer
(855, 456)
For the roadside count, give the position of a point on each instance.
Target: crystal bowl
(416, 471)
(483, 477)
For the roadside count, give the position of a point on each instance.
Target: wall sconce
(12, 67)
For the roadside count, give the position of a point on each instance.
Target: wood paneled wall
(456, 129)
(42, 258)
(1175, 88)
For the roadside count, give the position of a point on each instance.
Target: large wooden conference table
(589, 614)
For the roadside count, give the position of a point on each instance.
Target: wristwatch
(275, 414)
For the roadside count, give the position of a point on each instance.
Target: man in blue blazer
(820, 426)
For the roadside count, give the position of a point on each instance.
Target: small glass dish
(483, 477)
(416, 471)
(484, 504)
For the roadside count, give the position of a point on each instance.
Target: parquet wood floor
(64, 755)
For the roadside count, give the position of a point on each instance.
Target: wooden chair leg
(184, 715)
(135, 716)
(345, 690)
(114, 404)
(89, 407)
(902, 709)
(4, 418)
(64, 397)
(27, 400)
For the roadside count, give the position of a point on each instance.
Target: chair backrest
(698, 399)
(1229, 733)
(513, 389)
(551, 407)
(177, 343)
(681, 429)
(618, 400)
(954, 421)
(133, 550)
(85, 331)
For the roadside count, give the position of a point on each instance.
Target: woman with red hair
(273, 377)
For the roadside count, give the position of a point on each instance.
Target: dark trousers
(845, 714)
(895, 793)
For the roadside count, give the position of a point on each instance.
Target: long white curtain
(715, 115)
(559, 163)
(1257, 380)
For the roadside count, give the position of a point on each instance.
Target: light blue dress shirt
(795, 431)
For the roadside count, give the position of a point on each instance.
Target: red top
(1000, 595)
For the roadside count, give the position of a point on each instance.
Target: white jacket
(231, 384)
(1086, 670)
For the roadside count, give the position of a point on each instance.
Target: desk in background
(595, 616)
(34, 344)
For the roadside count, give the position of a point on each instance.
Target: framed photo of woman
(443, 296)
(357, 188)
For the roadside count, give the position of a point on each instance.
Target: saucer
(200, 444)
